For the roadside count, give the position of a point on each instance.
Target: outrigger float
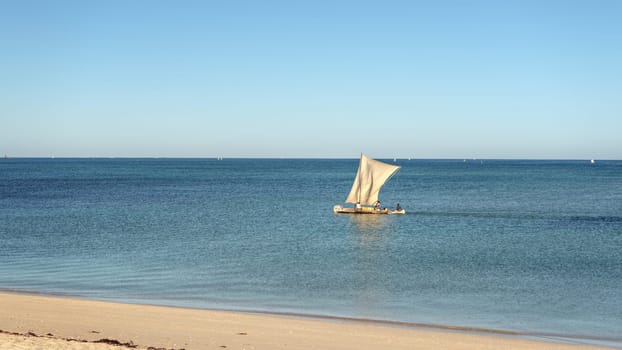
(370, 177)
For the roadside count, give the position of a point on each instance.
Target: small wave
(596, 218)
(491, 215)
(528, 216)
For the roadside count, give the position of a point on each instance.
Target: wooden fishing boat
(370, 177)
(365, 210)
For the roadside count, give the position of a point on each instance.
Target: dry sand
(43, 322)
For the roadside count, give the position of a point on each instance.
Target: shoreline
(35, 316)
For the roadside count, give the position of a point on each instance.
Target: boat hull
(338, 209)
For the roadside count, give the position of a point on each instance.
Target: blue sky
(433, 79)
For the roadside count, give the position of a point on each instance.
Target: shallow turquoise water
(533, 246)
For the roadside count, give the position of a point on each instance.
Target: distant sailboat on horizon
(370, 177)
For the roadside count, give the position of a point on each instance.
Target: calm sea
(529, 246)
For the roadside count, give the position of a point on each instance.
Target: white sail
(370, 177)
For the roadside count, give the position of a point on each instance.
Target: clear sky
(425, 79)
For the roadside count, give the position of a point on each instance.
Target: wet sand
(47, 322)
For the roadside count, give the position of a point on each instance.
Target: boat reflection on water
(370, 223)
(371, 231)
(371, 235)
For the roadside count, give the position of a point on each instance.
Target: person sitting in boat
(398, 207)
(358, 206)
(377, 205)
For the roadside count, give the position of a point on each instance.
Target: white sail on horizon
(370, 177)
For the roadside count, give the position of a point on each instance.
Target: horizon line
(221, 157)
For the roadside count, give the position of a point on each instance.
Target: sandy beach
(45, 322)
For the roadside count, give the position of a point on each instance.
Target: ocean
(515, 245)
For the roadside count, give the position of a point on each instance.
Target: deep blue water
(530, 246)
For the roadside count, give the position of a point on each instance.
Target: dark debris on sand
(113, 342)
